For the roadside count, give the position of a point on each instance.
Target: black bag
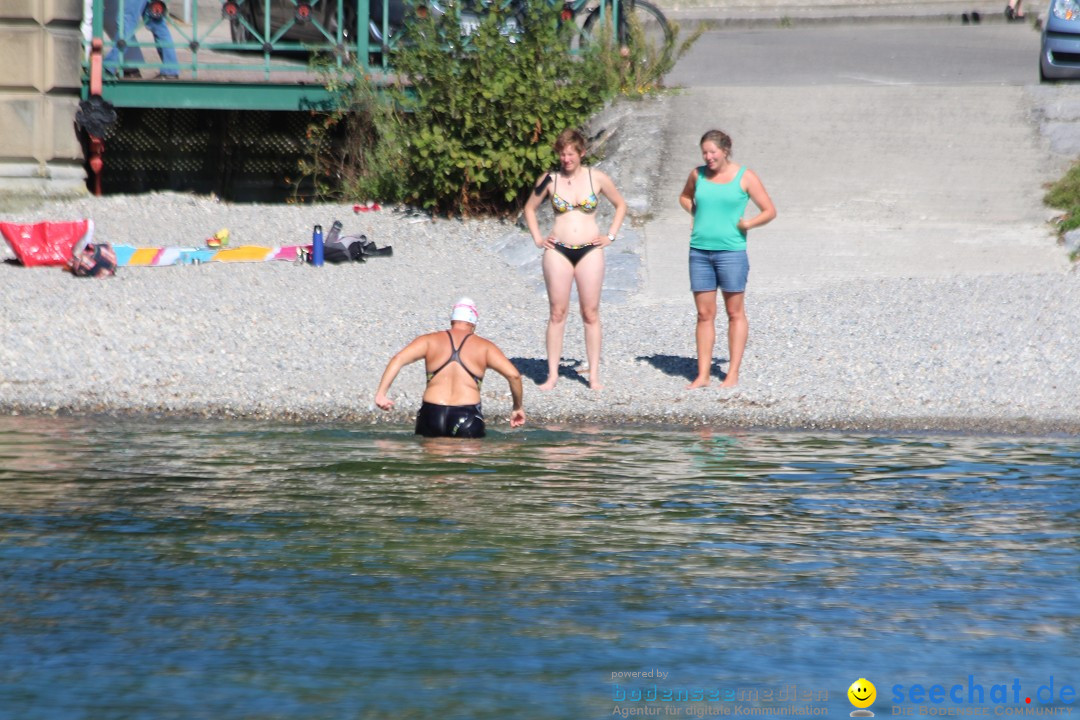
(345, 249)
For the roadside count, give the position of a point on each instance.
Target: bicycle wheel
(654, 26)
(655, 29)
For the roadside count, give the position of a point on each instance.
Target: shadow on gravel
(678, 366)
(536, 369)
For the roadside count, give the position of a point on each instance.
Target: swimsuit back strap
(457, 356)
(453, 356)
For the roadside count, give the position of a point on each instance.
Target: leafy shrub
(354, 150)
(638, 68)
(480, 119)
(471, 121)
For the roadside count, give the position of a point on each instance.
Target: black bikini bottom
(464, 421)
(574, 255)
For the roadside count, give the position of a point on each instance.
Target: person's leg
(705, 335)
(111, 24)
(133, 56)
(589, 274)
(558, 277)
(738, 330)
(133, 13)
(704, 281)
(163, 41)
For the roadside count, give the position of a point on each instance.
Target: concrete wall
(40, 63)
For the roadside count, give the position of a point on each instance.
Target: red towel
(46, 243)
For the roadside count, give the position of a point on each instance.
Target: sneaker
(1009, 13)
(163, 76)
(132, 74)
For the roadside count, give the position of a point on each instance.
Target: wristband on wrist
(611, 237)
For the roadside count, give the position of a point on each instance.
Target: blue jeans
(724, 269)
(134, 11)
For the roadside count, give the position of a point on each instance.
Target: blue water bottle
(317, 247)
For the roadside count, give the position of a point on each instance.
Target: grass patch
(1065, 195)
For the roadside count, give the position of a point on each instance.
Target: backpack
(93, 260)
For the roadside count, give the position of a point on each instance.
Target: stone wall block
(21, 55)
(61, 11)
(63, 58)
(20, 9)
(22, 118)
(62, 140)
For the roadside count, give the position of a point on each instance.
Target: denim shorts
(724, 269)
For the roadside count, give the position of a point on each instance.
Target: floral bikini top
(588, 205)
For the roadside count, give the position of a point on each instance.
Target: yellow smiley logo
(862, 693)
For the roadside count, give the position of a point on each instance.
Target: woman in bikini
(573, 248)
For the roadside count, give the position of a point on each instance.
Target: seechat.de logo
(862, 695)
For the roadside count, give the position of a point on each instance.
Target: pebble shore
(280, 340)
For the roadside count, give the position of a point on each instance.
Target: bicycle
(633, 16)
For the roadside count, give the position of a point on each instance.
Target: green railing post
(363, 16)
(97, 30)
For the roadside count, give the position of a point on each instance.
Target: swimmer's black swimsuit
(462, 421)
(455, 357)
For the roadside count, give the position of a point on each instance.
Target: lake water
(180, 569)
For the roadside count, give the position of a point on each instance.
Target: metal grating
(243, 155)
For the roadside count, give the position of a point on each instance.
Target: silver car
(1060, 51)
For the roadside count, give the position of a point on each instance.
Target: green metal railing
(248, 54)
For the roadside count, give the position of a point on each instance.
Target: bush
(480, 120)
(354, 150)
(471, 122)
(638, 68)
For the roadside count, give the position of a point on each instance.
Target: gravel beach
(281, 340)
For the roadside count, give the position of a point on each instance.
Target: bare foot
(698, 383)
(730, 381)
(550, 384)
(595, 384)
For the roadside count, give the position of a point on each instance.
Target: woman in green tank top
(716, 195)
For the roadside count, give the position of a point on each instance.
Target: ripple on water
(171, 569)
